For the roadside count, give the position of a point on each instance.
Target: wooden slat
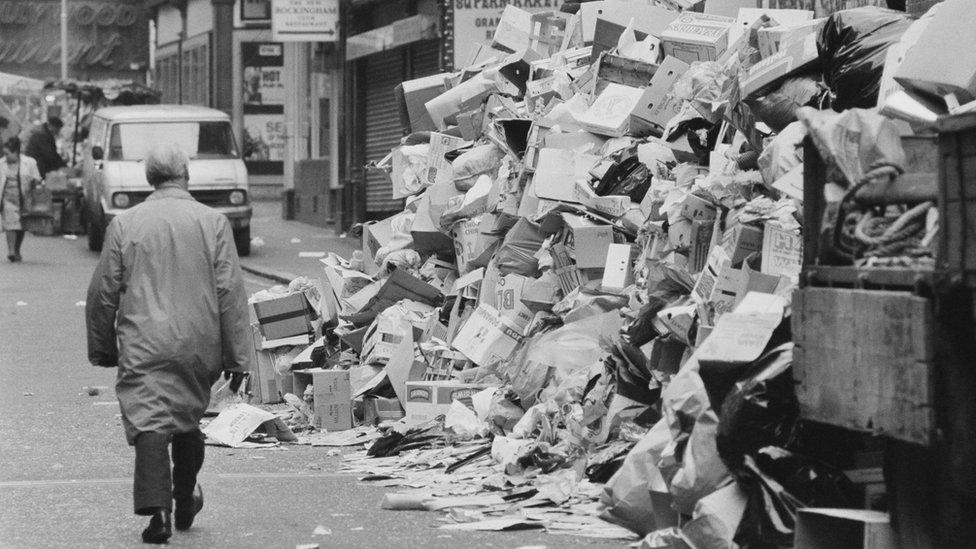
(863, 360)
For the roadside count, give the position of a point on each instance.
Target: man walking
(42, 146)
(167, 306)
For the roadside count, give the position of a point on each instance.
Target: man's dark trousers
(154, 487)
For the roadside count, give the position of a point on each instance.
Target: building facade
(310, 116)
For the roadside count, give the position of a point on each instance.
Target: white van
(115, 177)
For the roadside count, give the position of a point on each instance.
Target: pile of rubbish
(581, 321)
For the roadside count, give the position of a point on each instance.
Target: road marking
(218, 476)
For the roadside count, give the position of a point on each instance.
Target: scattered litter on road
(296, 240)
(21, 303)
(313, 255)
(70, 237)
(80, 303)
(322, 531)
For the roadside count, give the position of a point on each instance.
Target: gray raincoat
(166, 304)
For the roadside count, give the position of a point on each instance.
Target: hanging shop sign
(262, 101)
(305, 20)
(106, 38)
(475, 22)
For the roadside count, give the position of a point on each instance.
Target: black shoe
(12, 258)
(186, 510)
(18, 258)
(160, 528)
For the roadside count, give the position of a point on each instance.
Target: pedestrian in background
(42, 146)
(19, 175)
(167, 306)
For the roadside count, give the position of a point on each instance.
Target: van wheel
(95, 225)
(242, 240)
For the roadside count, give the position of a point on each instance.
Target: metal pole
(64, 39)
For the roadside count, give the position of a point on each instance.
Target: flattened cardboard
(557, 172)
(656, 106)
(739, 337)
(399, 285)
(610, 113)
(791, 59)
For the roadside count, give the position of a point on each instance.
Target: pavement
(277, 245)
(65, 468)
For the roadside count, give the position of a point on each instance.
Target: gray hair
(166, 163)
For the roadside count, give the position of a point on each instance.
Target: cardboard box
(941, 61)
(617, 273)
(701, 244)
(412, 95)
(588, 240)
(487, 336)
(376, 235)
(657, 106)
(718, 283)
(782, 251)
(439, 169)
(695, 208)
(610, 113)
(793, 58)
(771, 39)
(285, 316)
(469, 243)
(428, 399)
(332, 397)
(818, 528)
(267, 385)
(504, 293)
(379, 409)
(697, 37)
(741, 241)
(747, 17)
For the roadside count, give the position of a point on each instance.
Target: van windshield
(131, 140)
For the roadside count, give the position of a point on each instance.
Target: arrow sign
(305, 20)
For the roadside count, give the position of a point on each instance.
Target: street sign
(305, 20)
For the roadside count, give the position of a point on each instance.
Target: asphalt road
(65, 469)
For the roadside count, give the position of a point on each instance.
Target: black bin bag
(852, 48)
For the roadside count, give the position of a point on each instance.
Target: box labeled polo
(285, 316)
(331, 397)
(697, 37)
(428, 399)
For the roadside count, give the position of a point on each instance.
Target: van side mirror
(97, 153)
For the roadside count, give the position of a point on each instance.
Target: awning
(403, 32)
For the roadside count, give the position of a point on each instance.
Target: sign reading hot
(106, 38)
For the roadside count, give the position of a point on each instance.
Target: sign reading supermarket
(475, 22)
